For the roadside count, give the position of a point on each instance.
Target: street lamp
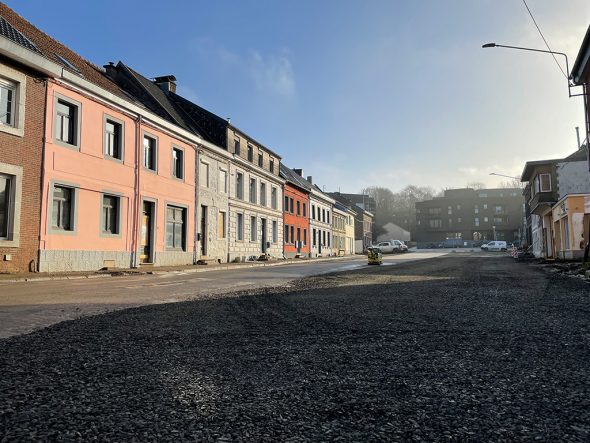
(567, 69)
(502, 175)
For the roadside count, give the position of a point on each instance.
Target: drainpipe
(136, 194)
(42, 183)
(228, 209)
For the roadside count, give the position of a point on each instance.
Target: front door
(203, 231)
(145, 252)
(263, 236)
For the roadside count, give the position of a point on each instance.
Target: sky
(357, 93)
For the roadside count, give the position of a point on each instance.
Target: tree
(476, 185)
(512, 183)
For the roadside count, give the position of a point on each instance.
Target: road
(465, 347)
(26, 306)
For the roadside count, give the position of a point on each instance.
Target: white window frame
(155, 147)
(77, 121)
(103, 232)
(541, 189)
(253, 228)
(204, 181)
(223, 180)
(121, 138)
(240, 186)
(18, 82)
(15, 175)
(75, 191)
(173, 159)
(184, 212)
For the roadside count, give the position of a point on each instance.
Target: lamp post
(520, 48)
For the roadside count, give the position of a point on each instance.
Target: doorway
(147, 232)
(263, 236)
(203, 231)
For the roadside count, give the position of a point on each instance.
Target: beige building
(343, 230)
(255, 203)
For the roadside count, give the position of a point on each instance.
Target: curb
(125, 273)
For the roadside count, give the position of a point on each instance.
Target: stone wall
(68, 261)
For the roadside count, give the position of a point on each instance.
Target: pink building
(117, 181)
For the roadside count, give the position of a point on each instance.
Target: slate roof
(20, 31)
(582, 64)
(294, 178)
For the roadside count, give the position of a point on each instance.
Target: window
(435, 223)
(223, 181)
(298, 235)
(324, 238)
(483, 195)
(324, 215)
(110, 215)
(263, 194)
(476, 209)
(150, 147)
(485, 206)
(7, 102)
(304, 210)
(498, 220)
(298, 207)
(204, 174)
(250, 153)
(499, 209)
(291, 206)
(221, 222)
(113, 138)
(476, 221)
(239, 185)
(304, 236)
(273, 198)
(545, 180)
(314, 243)
(286, 208)
(253, 235)
(450, 222)
(240, 226)
(177, 163)
(6, 187)
(271, 165)
(313, 213)
(67, 125)
(328, 239)
(275, 232)
(175, 232)
(328, 217)
(292, 228)
(485, 219)
(433, 211)
(260, 160)
(286, 234)
(252, 190)
(458, 207)
(237, 145)
(450, 210)
(62, 215)
(459, 220)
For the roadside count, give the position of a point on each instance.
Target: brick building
(22, 97)
(295, 213)
(469, 215)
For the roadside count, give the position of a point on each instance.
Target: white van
(495, 245)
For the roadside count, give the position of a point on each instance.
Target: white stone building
(320, 222)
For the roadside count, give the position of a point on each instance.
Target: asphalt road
(463, 347)
(27, 306)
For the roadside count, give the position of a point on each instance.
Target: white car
(495, 245)
(391, 246)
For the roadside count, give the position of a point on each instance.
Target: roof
(529, 167)
(294, 178)
(581, 66)
(20, 31)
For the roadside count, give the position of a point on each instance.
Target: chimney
(167, 83)
(298, 171)
(110, 70)
(309, 179)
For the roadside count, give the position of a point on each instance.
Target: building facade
(464, 216)
(22, 95)
(343, 230)
(295, 213)
(320, 222)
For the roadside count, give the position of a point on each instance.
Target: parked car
(392, 246)
(496, 245)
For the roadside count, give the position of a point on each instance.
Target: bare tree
(512, 183)
(476, 185)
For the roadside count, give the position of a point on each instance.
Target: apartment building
(469, 215)
(320, 222)
(343, 229)
(238, 202)
(295, 213)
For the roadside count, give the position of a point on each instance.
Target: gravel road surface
(456, 348)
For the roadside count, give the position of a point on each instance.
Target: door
(263, 236)
(319, 241)
(203, 231)
(145, 252)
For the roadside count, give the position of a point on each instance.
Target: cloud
(271, 73)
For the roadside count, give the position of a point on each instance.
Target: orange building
(295, 213)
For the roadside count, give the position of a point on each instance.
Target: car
(496, 245)
(391, 246)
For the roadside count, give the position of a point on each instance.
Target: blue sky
(357, 93)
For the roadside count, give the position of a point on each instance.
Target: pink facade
(97, 188)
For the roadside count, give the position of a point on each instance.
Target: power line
(543, 37)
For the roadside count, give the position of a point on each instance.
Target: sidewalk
(155, 270)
